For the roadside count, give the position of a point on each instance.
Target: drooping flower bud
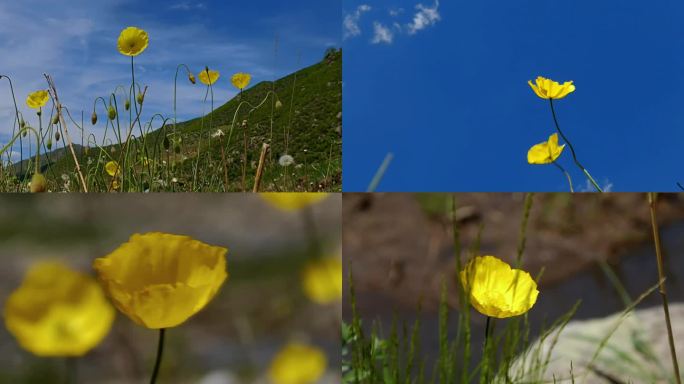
(38, 183)
(55, 119)
(191, 77)
(127, 104)
(57, 136)
(111, 112)
(48, 145)
(278, 104)
(166, 143)
(93, 118)
(140, 98)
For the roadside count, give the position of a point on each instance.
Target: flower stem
(567, 175)
(661, 275)
(572, 150)
(160, 349)
(485, 357)
(71, 370)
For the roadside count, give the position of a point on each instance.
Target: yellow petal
(297, 364)
(539, 154)
(549, 89)
(536, 89)
(112, 168)
(58, 312)
(132, 41)
(292, 201)
(241, 80)
(208, 76)
(37, 99)
(497, 290)
(160, 280)
(322, 280)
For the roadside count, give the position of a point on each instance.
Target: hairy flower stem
(567, 175)
(485, 357)
(157, 363)
(572, 150)
(71, 370)
(652, 196)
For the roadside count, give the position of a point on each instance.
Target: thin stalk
(485, 357)
(572, 150)
(567, 175)
(160, 349)
(71, 370)
(380, 173)
(652, 197)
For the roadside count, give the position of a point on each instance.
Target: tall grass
(202, 154)
(511, 356)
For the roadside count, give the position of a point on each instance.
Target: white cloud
(76, 45)
(351, 21)
(424, 17)
(381, 34)
(589, 187)
(187, 6)
(394, 12)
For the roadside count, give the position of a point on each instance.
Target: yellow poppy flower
(37, 99)
(57, 311)
(549, 89)
(132, 41)
(297, 364)
(322, 280)
(208, 76)
(159, 280)
(241, 80)
(497, 290)
(546, 152)
(112, 168)
(292, 201)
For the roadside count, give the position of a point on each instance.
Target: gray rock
(636, 352)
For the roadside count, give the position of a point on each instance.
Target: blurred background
(259, 309)
(401, 248)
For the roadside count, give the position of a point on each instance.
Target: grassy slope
(310, 110)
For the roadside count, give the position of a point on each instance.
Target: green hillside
(191, 156)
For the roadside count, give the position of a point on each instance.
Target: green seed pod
(55, 119)
(140, 98)
(57, 136)
(48, 145)
(93, 118)
(127, 104)
(111, 112)
(166, 143)
(38, 183)
(22, 123)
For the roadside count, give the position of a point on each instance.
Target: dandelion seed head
(286, 160)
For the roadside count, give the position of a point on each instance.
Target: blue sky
(443, 86)
(76, 44)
